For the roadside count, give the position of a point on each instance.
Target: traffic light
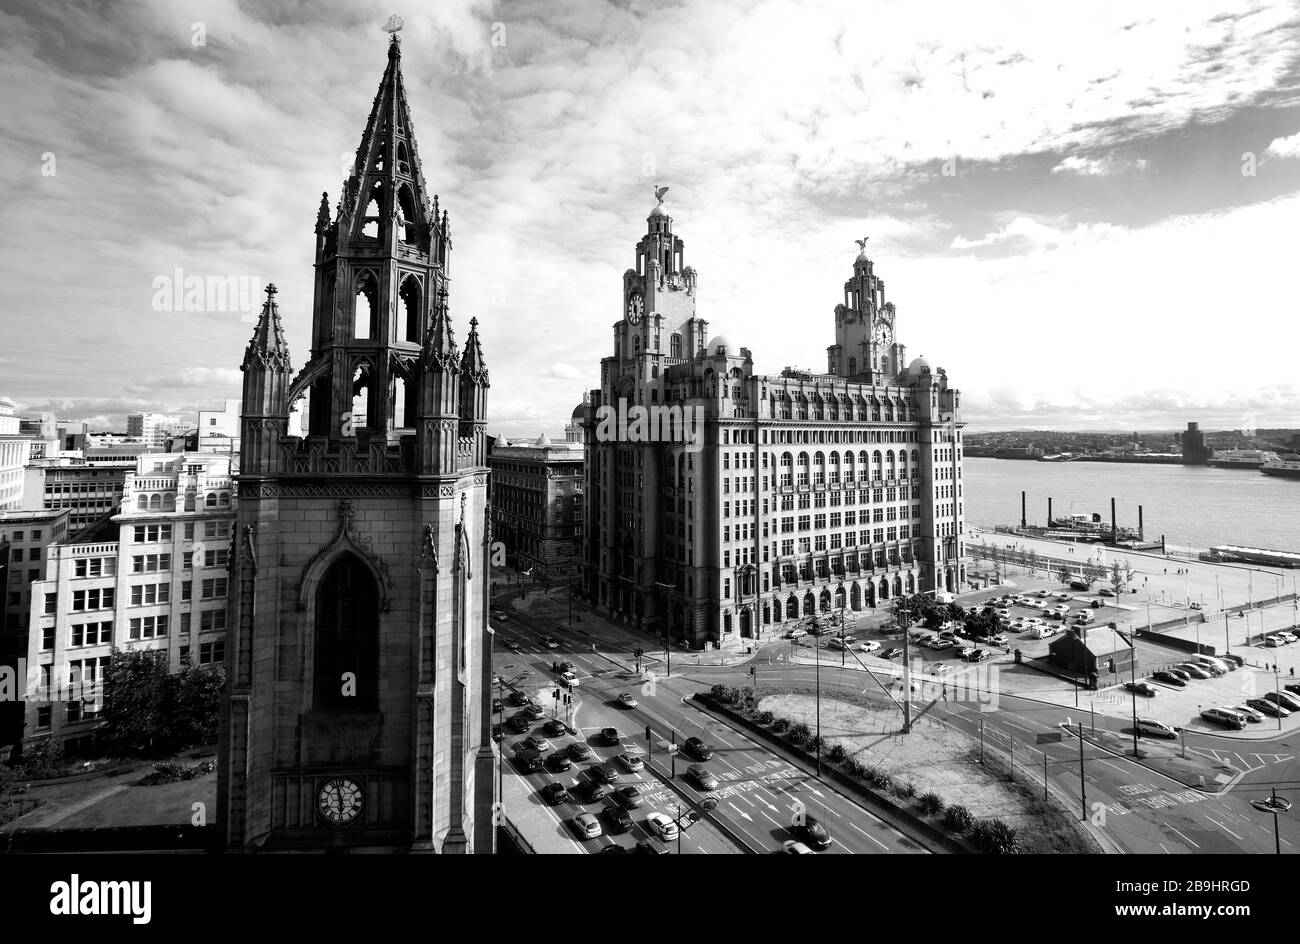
(647, 732)
(556, 696)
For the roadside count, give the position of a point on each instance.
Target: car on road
(554, 793)
(696, 748)
(500, 615)
(794, 847)
(555, 728)
(587, 826)
(1287, 700)
(661, 826)
(702, 777)
(606, 773)
(560, 762)
(570, 680)
(518, 699)
(939, 644)
(966, 651)
(619, 819)
(629, 796)
(893, 654)
(812, 832)
(1232, 657)
(1154, 728)
(1061, 596)
(795, 634)
(528, 760)
(1224, 717)
(513, 645)
(999, 639)
(979, 655)
(610, 735)
(870, 646)
(532, 712)
(1169, 678)
(1247, 712)
(1142, 688)
(537, 743)
(580, 751)
(1105, 592)
(1195, 671)
(596, 791)
(519, 723)
(627, 700)
(631, 762)
(550, 642)
(1268, 707)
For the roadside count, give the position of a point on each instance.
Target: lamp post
(663, 589)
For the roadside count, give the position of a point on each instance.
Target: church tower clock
(359, 676)
(866, 347)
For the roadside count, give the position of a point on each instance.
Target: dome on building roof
(719, 341)
(543, 440)
(918, 365)
(659, 210)
(579, 412)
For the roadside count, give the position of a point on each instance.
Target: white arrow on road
(740, 811)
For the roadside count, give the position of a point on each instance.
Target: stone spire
(268, 349)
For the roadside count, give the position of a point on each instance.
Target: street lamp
(1273, 804)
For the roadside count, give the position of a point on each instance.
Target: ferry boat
(1287, 468)
(1089, 527)
(1241, 458)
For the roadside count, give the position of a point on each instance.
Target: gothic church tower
(359, 675)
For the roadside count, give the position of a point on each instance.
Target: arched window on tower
(361, 397)
(403, 162)
(675, 346)
(636, 345)
(370, 220)
(853, 366)
(410, 295)
(347, 637)
(366, 308)
(406, 231)
(402, 404)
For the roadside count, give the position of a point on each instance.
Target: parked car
(940, 644)
(1195, 671)
(1287, 700)
(629, 796)
(1181, 673)
(579, 751)
(950, 635)
(1105, 592)
(1247, 712)
(1292, 687)
(1142, 688)
(1232, 657)
(1060, 609)
(812, 832)
(1045, 632)
(1217, 666)
(966, 651)
(1018, 626)
(979, 655)
(702, 777)
(554, 793)
(1274, 640)
(894, 654)
(1000, 639)
(1154, 728)
(619, 819)
(661, 826)
(627, 700)
(518, 699)
(1097, 604)
(871, 646)
(533, 712)
(1287, 635)
(696, 748)
(1169, 678)
(587, 826)
(631, 762)
(1269, 707)
(1224, 717)
(795, 634)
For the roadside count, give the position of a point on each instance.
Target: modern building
(159, 582)
(1098, 653)
(537, 505)
(359, 714)
(15, 451)
(1195, 451)
(153, 428)
(90, 489)
(218, 430)
(721, 504)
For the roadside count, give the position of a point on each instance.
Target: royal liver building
(722, 504)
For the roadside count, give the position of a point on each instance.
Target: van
(1084, 617)
(835, 642)
(942, 597)
(1225, 717)
(1154, 728)
(1217, 665)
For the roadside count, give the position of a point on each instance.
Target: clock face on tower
(884, 334)
(635, 307)
(340, 801)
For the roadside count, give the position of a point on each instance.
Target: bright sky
(1113, 246)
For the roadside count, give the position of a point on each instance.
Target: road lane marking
(1224, 828)
(1184, 838)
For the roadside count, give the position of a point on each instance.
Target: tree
(1063, 574)
(1092, 572)
(1121, 572)
(148, 711)
(981, 623)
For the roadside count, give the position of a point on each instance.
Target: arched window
(211, 500)
(410, 296)
(835, 468)
(803, 468)
(360, 397)
(875, 410)
(142, 503)
(877, 464)
(224, 500)
(675, 346)
(366, 308)
(787, 467)
(791, 608)
(819, 469)
(853, 366)
(403, 162)
(347, 638)
(370, 224)
(169, 502)
(889, 412)
(406, 215)
(155, 503)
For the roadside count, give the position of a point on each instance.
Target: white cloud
(1107, 166)
(563, 371)
(1285, 147)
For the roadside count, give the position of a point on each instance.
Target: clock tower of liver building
(359, 676)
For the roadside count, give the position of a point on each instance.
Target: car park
(619, 819)
(661, 826)
(1250, 714)
(629, 796)
(579, 751)
(627, 700)
(1169, 678)
(702, 777)
(1142, 688)
(1153, 728)
(1268, 707)
(695, 747)
(1224, 717)
(554, 793)
(631, 762)
(812, 832)
(586, 826)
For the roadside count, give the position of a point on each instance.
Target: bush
(43, 761)
(170, 771)
(906, 789)
(883, 782)
(958, 819)
(718, 691)
(837, 753)
(765, 717)
(800, 733)
(817, 743)
(994, 837)
(854, 767)
(780, 725)
(932, 804)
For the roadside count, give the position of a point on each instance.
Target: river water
(1192, 506)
